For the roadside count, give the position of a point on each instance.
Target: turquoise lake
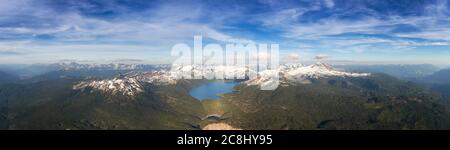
(212, 90)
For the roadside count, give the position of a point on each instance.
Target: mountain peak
(303, 74)
(119, 85)
(322, 65)
(129, 84)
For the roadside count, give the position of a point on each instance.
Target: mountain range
(438, 81)
(439, 77)
(402, 71)
(7, 77)
(316, 96)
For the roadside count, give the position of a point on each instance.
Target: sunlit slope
(375, 102)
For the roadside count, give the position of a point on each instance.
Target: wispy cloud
(71, 31)
(44, 29)
(367, 29)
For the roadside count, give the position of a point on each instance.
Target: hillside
(438, 81)
(376, 102)
(439, 77)
(7, 77)
(54, 105)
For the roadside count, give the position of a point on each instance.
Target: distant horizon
(332, 62)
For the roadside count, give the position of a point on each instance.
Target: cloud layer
(33, 31)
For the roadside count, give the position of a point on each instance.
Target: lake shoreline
(213, 90)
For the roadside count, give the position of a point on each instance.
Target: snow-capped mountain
(318, 70)
(161, 77)
(209, 71)
(119, 85)
(130, 84)
(297, 73)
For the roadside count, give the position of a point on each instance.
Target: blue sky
(347, 31)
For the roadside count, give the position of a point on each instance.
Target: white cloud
(332, 27)
(293, 57)
(329, 3)
(281, 17)
(432, 34)
(162, 27)
(154, 30)
(433, 29)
